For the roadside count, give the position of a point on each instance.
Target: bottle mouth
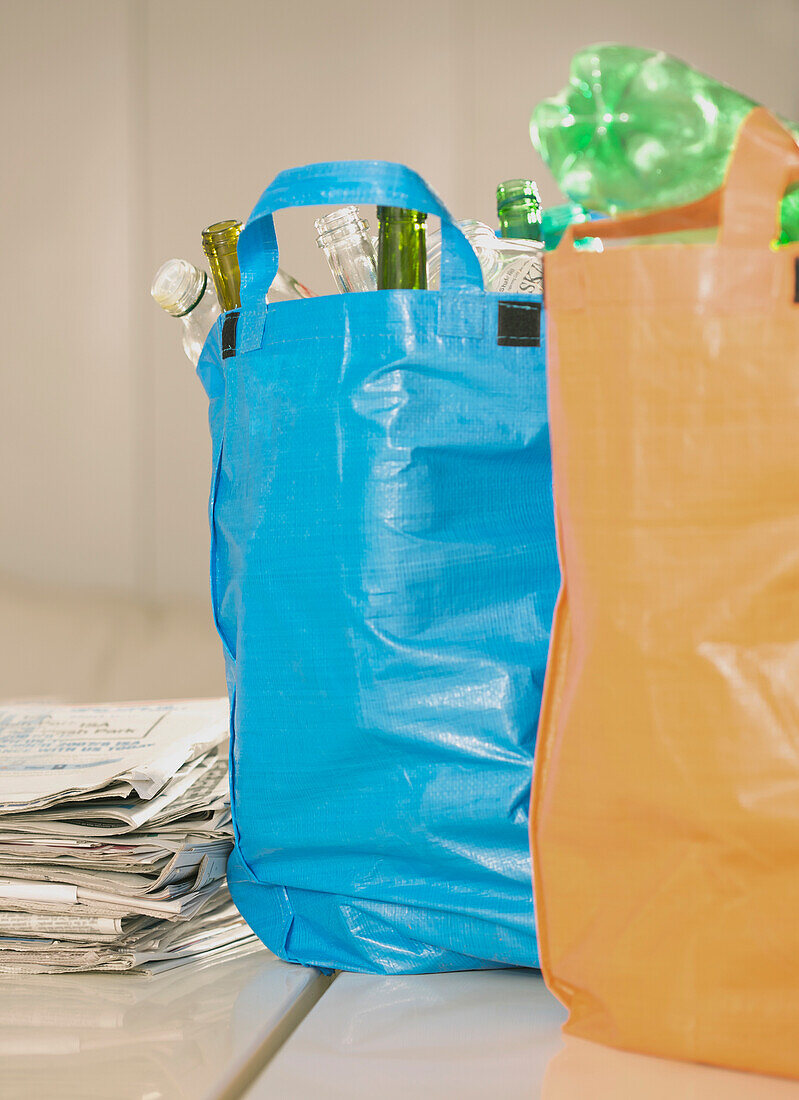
(401, 214)
(221, 238)
(512, 191)
(339, 224)
(178, 286)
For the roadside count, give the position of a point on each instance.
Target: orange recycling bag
(665, 819)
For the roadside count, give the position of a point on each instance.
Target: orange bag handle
(764, 162)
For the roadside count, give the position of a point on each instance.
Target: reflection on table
(181, 1034)
(466, 1035)
(582, 1070)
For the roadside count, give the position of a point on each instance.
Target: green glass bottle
(519, 210)
(401, 249)
(220, 241)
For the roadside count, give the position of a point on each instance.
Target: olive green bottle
(519, 210)
(401, 249)
(219, 245)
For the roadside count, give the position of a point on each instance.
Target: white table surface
(479, 1035)
(466, 1035)
(261, 1029)
(192, 1032)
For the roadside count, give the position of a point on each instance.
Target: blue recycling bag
(383, 572)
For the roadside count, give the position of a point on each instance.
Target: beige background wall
(127, 125)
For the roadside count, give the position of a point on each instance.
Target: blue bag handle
(338, 183)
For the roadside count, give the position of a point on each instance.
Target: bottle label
(523, 275)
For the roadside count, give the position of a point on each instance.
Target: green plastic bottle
(640, 130)
(519, 210)
(555, 220)
(401, 249)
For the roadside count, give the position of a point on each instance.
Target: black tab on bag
(229, 334)
(519, 324)
(796, 279)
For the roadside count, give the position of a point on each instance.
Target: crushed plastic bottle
(638, 129)
(555, 220)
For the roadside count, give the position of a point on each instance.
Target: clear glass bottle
(187, 293)
(519, 210)
(401, 249)
(509, 266)
(285, 288)
(344, 237)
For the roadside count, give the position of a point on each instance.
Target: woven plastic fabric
(384, 573)
(666, 801)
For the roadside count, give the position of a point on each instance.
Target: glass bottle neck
(520, 220)
(343, 236)
(197, 324)
(401, 249)
(519, 210)
(220, 243)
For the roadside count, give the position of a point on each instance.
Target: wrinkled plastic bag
(666, 796)
(383, 574)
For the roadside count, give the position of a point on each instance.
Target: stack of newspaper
(115, 830)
